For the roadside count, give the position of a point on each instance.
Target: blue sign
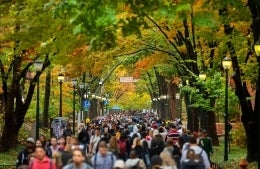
(106, 102)
(86, 104)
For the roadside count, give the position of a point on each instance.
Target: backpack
(136, 166)
(193, 160)
(122, 147)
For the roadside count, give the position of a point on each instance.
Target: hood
(131, 162)
(135, 129)
(197, 149)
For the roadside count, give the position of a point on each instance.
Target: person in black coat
(23, 155)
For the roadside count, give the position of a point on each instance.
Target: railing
(7, 166)
(214, 166)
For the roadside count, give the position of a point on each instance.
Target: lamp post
(163, 101)
(177, 97)
(60, 80)
(257, 52)
(74, 84)
(203, 118)
(226, 63)
(106, 102)
(38, 67)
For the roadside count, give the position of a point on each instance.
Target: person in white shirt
(94, 140)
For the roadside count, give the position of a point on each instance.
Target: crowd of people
(120, 141)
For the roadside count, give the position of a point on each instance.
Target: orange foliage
(148, 62)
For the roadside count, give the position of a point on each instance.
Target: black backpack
(193, 160)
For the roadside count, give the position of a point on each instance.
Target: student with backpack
(124, 146)
(194, 156)
(103, 159)
(134, 162)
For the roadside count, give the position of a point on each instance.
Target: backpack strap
(95, 160)
(112, 160)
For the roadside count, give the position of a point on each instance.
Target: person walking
(23, 155)
(195, 150)
(134, 161)
(78, 161)
(41, 160)
(94, 140)
(54, 148)
(103, 159)
(206, 143)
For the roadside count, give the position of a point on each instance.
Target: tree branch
(164, 33)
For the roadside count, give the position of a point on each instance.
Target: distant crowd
(120, 141)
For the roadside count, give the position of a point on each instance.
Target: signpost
(128, 79)
(85, 104)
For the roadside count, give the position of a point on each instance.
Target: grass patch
(235, 155)
(10, 157)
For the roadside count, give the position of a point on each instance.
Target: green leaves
(205, 19)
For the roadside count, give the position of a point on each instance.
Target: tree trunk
(248, 117)
(252, 128)
(211, 116)
(15, 105)
(173, 109)
(47, 99)
(9, 137)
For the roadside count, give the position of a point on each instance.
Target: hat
(30, 140)
(119, 164)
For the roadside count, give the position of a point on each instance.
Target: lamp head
(38, 65)
(257, 48)
(202, 76)
(177, 96)
(226, 63)
(60, 77)
(74, 82)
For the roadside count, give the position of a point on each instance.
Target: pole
(74, 100)
(60, 114)
(226, 119)
(37, 111)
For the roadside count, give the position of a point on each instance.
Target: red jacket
(46, 163)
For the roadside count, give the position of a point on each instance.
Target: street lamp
(202, 76)
(257, 52)
(226, 63)
(178, 104)
(38, 67)
(74, 84)
(165, 109)
(257, 48)
(203, 119)
(60, 80)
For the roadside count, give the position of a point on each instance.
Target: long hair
(167, 158)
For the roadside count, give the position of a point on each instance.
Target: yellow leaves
(172, 34)
(182, 49)
(242, 27)
(198, 5)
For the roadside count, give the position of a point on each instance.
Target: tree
(25, 37)
(196, 50)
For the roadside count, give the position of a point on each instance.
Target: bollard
(243, 164)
